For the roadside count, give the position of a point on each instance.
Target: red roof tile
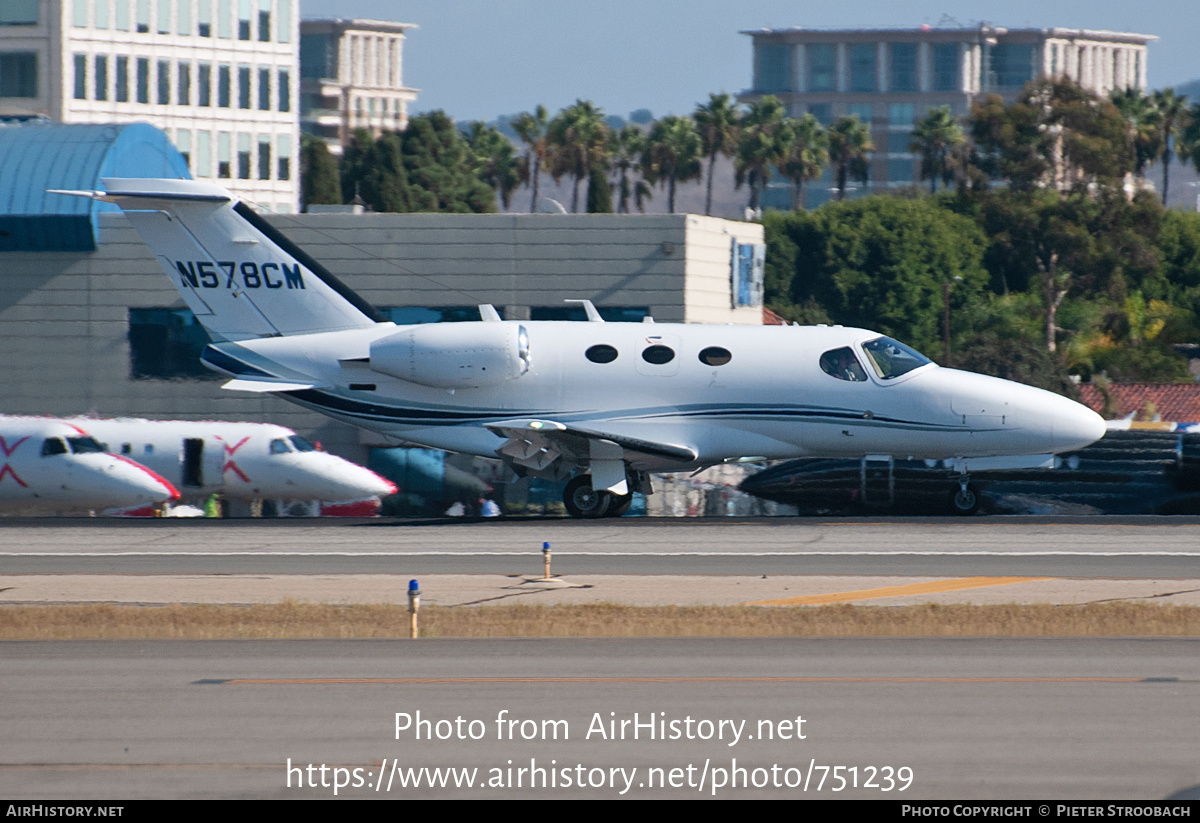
(1173, 402)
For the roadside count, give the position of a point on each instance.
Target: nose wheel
(583, 501)
(965, 500)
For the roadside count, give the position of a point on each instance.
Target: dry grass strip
(311, 620)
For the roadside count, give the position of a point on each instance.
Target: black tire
(582, 501)
(617, 506)
(964, 501)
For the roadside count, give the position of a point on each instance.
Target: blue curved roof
(35, 157)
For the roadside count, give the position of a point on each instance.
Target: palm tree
(718, 123)
(1171, 110)
(1142, 122)
(764, 143)
(849, 147)
(532, 128)
(937, 138)
(626, 149)
(496, 161)
(672, 154)
(578, 140)
(808, 153)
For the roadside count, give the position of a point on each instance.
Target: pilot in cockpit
(842, 364)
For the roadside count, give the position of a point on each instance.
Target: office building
(351, 78)
(891, 77)
(218, 76)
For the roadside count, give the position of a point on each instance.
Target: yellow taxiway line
(932, 587)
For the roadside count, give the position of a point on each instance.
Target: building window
(204, 18)
(183, 142)
(264, 21)
(264, 157)
(164, 16)
(264, 89)
(243, 157)
(285, 91)
(823, 112)
(1008, 65)
(611, 314)
(184, 97)
(863, 111)
(898, 142)
(166, 344)
(862, 67)
(902, 114)
(101, 76)
(223, 78)
(81, 77)
(223, 150)
(122, 15)
(283, 28)
(81, 14)
(183, 23)
(317, 56)
(822, 66)
(203, 154)
(19, 13)
(904, 67)
(101, 21)
(418, 315)
(122, 95)
(143, 16)
(204, 84)
(243, 87)
(945, 67)
(224, 17)
(284, 172)
(243, 19)
(900, 171)
(774, 67)
(164, 82)
(143, 79)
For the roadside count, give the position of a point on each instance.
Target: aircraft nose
(1076, 426)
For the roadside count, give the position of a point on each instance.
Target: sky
(478, 59)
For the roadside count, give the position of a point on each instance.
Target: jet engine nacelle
(454, 355)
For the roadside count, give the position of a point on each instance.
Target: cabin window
(658, 355)
(52, 446)
(715, 356)
(166, 344)
(601, 353)
(842, 364)
(891, 358)
(280, 446)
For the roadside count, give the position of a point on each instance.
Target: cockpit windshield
(84, 445)
(280, 446)
(891, 358)
(301, 444)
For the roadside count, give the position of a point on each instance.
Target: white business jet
(242, 461)
(601, 403)
(49, 465)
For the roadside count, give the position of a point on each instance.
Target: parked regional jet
(241, 461)
(602, 403)
(50, 465)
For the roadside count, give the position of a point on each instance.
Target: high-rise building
(891, 77)
(220, 77)
(352, 79)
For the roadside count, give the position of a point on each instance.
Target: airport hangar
(90, 324)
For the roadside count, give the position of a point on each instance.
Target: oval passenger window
(715, 356)
(601, 354)
(658, 355)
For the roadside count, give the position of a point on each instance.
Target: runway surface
(1135, 547)
(960, 719)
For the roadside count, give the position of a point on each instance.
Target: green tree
(849, 152)
(1172, 114)
(762, 145)
(1142, 125)
(672, 155)
(718, 122)
(442, 168)
(319, 182)
(807, 155)
(533, 128)
(626, 149)
(496, 160)
(937, 139)
(599, 193)
(578, 140)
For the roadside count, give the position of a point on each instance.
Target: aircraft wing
(536, 445)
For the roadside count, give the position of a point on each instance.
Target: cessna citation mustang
(604, 404)
(243, 461)
(48, 465)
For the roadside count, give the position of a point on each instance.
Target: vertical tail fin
(238, 275)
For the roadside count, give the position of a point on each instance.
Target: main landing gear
(583, 501)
